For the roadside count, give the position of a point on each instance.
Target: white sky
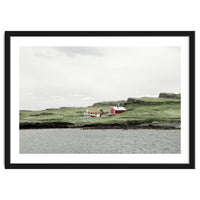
(52, 77)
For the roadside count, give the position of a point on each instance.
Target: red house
(117, 110)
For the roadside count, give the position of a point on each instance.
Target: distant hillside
(145, 111)
(148, 101)
(109, 103)
(163, 98)
(169, 95)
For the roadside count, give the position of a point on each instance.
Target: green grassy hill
(151, 110)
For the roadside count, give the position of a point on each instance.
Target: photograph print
(100, 100)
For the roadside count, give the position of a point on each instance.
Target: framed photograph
(100, 99)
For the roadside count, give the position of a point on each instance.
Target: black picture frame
(191, 37)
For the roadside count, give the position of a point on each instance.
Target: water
(108, 141)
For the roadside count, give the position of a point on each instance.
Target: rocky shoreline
(124, 125)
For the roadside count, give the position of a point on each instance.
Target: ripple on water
(107, 141)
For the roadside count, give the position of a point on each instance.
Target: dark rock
(170, 95)
(37, 125)
(132, 100)
(124, 125)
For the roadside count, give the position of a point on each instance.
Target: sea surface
(101, 141)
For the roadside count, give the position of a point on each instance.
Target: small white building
(86, 112)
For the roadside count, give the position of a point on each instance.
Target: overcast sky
(52, 77)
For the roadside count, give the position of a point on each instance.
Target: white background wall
(99, 15)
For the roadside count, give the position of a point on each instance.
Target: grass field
(154, 110)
